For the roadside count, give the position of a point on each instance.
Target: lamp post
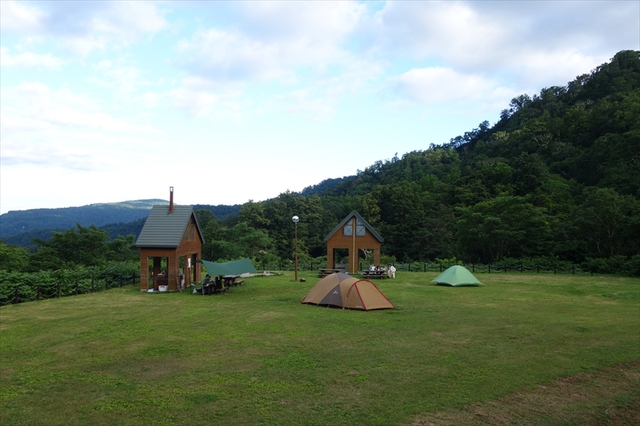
(295, 220)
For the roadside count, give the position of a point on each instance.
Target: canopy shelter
(456, 276)
(344, 291)
(235, 267)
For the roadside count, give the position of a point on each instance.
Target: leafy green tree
(122, 249)
(13, 258)
(79, 246)
(505, 226)
(609, 222)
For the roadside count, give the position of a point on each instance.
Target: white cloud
(199, 97)
(20, 17)
(490, 35)
(305, 103)
(273, 41)
(83, 27)
(437, 85)
(61, 128)
(29, 60)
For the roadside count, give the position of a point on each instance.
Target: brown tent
(344, 291)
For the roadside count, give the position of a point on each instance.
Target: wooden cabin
(170, 245)
(353, 233)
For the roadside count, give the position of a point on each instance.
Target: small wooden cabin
(170, 233)
(353, 233)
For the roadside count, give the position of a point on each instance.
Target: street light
(295, 220)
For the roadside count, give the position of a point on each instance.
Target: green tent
(456, 276)
(235, 267)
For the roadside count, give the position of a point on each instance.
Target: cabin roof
(165, 229)
(358, 217)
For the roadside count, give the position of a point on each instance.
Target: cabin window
(347, 230)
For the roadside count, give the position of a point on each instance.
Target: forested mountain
(557, 176)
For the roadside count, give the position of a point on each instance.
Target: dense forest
(557, 177)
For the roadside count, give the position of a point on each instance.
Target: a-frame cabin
(353, 233)
(171, 233)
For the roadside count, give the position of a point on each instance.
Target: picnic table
(232, 280)
(323, 272)
(374, 274)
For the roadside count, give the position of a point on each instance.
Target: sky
(229, 102)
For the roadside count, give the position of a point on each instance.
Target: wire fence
(28, 292)
(491, 268)
(34, 292)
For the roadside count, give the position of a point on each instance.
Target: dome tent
(344, 291)
(456, 276)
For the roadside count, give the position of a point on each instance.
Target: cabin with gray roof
(353, 234)
(170, 246)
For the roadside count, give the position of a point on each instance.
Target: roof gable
(165, 229)
(361, 219)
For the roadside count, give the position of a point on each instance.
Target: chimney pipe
(171, 199)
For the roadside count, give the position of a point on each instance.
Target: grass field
(523, 349)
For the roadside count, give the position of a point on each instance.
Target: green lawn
(257, 356)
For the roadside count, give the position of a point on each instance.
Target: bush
(46, 284)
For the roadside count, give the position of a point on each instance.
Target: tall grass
(257, 356)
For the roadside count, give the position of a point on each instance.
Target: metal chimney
(171, 199)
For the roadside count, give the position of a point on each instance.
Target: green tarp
(235, 267)
(456, 276)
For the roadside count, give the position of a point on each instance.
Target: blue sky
(235, 101)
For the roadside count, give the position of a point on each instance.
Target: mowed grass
(256, 356)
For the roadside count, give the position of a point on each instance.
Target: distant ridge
(21, 221)
(20, 227)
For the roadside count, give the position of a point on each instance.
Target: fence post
(473, 268)
(58, 290)
(15, 295)
(76, 287)
(92, 285)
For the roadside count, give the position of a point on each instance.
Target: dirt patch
(610, 396)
